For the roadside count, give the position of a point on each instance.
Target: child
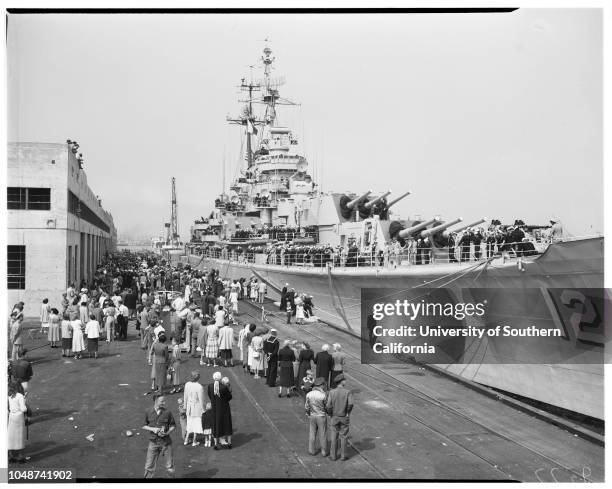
(182, 417)
(289, 313)
(308, 381)
(175, 362)
(207, 424)
(225, 381)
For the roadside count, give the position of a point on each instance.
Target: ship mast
(247, 118)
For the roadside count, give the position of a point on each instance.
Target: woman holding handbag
(259, 362)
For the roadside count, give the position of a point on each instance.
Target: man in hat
(315, 410)
(477, 240)
(160, 423)
(465, 244)
(339, 405)
(270, 348)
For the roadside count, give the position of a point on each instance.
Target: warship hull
(564, 373)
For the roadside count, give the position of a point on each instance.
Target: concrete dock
(408, 423)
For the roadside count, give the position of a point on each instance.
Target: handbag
(255, 354)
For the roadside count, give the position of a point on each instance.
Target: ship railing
(387, 259)
(278, 236)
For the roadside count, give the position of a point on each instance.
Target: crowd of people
(179, 312)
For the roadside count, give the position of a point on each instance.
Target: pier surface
(408, 422)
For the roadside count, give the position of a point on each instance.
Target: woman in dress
(175, 366)
(146, 331)
(212, 344)
(54, 328)
(201, 341)
(16, 433)
(305, 358)
(78, 344)
(193, 400)
(66, 328)
(299, 312)
(220, 396)
(45, 312)
(243, 345)
(258, 363)
(248, 339)
(286, 357)
(254, 288)
(160, 363)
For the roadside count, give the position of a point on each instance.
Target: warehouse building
(57, 228)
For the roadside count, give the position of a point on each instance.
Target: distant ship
(275, 200)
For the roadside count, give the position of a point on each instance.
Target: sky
(479, 115)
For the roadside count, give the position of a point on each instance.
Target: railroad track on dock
(405, 387)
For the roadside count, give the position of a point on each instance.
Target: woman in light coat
(258, 358)
(16, 432)
(78, 343)
(193, 400)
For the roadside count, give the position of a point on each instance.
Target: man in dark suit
(324, 363)
(270, 348)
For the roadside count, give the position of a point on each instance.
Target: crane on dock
(174, 235)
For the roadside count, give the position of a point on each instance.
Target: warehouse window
(15, 259)
(28, 198)
(16, 198)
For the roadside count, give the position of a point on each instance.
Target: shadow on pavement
(42, 449)
(42, 415)
(239, 439)
(364, 445)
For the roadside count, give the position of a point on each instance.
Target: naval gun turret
(347, 205)
(395, 201)
(406, 233)
(438, 229)
(369, 204)
(375, 206)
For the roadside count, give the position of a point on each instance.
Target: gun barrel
(356, 201)
(405, 233)
(441, 227)
(377, 199)
(475, 223)
(395, 201)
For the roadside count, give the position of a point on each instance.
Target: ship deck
(408, 423)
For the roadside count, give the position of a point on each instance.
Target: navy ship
(276, 224)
